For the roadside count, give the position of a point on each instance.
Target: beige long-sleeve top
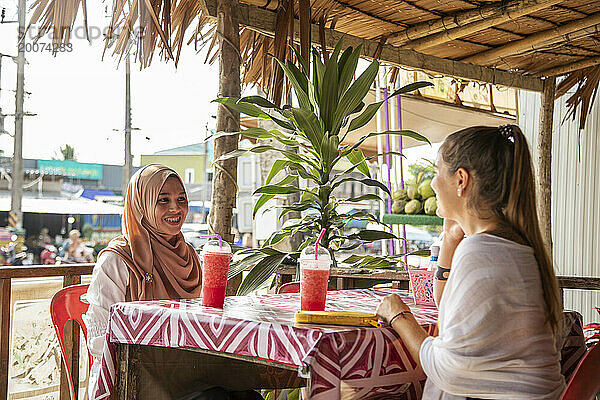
(493, 342)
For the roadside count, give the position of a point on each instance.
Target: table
(346, 362)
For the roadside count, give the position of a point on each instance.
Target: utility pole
(1, 115)
(16, 214)
(128, 157)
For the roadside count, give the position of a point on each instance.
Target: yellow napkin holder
(350, 318)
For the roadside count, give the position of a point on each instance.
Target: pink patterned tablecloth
(342, 362)
(348, 362)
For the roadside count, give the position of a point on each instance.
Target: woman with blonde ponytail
(498, 297)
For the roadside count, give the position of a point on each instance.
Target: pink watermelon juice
(313, 289)
(214, 278)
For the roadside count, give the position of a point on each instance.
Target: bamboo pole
(224, 189)
(457, 20)
(515, 47)
(559, 41)
(506, 15)
(263, 21)
(565, 69)
(544, 163)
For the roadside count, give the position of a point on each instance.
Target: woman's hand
(453, 231)
(390, 306)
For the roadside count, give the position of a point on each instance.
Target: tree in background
(424, 167)
(67, 153)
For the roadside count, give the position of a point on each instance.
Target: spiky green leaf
(355, 94)
(372, 235)
(298, 82)
(368, 182)
(259, 101)
(348, 69)
(276, 189)
(278, 165)
(364, 197)
(262, 200)
(308, 123)
(405, 132)
(260, 273)
(371, 109)
(357, 158)
(241, 265)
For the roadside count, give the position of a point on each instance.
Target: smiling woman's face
(444, 185)
(171, 207)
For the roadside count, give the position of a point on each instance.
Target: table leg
(344, 283)
(5, 290)
(127, 371)
(402, 285)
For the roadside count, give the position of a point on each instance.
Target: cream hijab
(157, 269)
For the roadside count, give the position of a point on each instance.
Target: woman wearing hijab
(149, 261)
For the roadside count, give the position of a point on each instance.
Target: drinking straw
(317, 243)
(214, 236)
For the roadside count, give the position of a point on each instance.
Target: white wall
(575, 194)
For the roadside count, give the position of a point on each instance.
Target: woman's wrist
(450, 241)
(401, 314)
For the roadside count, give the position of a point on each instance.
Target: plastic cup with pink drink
(314, 278)
(216, 257)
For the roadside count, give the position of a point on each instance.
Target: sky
(79, 99)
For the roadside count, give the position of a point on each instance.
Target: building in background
(194, 164)
(64, 194)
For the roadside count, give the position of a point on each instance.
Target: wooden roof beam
(517, 46)
(559, 41)
(264, 21)
(273, 4)
(453, 21)
(567, 68)
(505, 15)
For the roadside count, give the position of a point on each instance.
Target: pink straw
(214, 236)
(317, 244)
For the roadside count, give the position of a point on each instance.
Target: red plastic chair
(294, 287)
(585, 383)
(291, 287)
(66, 304)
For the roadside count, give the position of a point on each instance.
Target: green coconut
(425, 189)
(431, 206)
(398, 207)
(399, 195)
(412, 191)
(413, 207)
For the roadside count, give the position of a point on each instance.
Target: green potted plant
(330, 105)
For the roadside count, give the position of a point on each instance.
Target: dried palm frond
(184, 12)
(58, 16)
(151, 19)
(587, 81)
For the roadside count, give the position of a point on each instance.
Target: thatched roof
(513, 43)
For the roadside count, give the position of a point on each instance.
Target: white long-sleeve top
(110, 279)
(493, 342)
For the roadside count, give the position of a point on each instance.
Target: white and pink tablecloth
(342, 362)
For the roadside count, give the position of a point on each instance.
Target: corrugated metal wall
(575, 194)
